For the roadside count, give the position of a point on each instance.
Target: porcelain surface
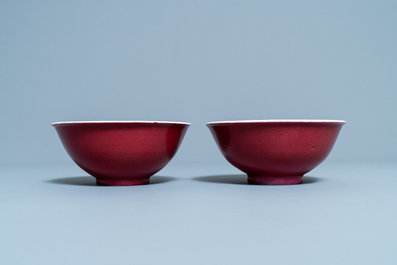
(119, 153)
(276, 151)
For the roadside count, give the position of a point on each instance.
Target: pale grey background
(197, 62)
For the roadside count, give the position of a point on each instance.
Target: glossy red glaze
(121, 153)
(276, 151)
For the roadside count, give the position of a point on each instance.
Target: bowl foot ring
(275, 180)
(122, 182)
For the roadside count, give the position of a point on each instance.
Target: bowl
(277, 152)
(121, 153)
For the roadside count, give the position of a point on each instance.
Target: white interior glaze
(265, 121)
(80, 122)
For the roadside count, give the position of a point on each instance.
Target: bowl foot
(275, 180)
(122, 182)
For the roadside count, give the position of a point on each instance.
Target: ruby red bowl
(120, 153)
(275, 152)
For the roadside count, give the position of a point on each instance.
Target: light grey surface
(344, 213)
(197, 61)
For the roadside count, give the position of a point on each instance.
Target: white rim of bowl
(281, 120)
(142, 122)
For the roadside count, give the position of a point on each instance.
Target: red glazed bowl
(121, 153)
(275, 152)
